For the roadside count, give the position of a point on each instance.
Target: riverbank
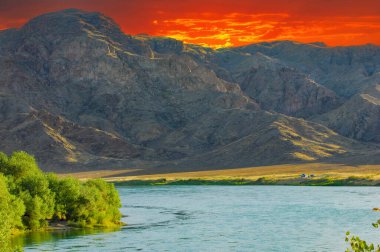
(316, 174)
(327, 181)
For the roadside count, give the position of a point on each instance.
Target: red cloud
(219, 23)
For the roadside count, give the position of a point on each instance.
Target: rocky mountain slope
(358, 118)
(79, 94)
(277, 86)
(344, 70)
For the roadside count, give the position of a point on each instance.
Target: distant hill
(80, 95)
(358, 117)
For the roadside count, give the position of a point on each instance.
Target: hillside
(358, 118)
(80, 95)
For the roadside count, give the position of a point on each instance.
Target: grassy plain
(285, 174)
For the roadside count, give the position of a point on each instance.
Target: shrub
(359, 245)
(11, 212)
(97, 204)
(30, 198)
(66, 192)
(38, 199)
(19, 164)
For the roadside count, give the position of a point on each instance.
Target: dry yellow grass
(278, 172)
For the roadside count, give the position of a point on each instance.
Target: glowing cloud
(220, 23)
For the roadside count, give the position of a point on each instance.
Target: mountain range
(79, 94)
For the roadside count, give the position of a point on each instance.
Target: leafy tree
(19, 164)
(3, 162)
(67, 192)
(39, 200)
(11, 211)
(98, 204)
(30, 198)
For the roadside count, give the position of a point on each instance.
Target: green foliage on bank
(30, 199)
(359, 245)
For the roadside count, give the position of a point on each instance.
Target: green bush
(98, 204)
(67, 191)
(19, 164)
(29, 198)
(11, 211)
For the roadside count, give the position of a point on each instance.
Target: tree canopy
(30, 198)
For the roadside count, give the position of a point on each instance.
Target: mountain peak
(70, 21)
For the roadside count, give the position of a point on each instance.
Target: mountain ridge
(93, 97)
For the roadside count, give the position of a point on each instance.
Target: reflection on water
(36, 238)
(226, 218)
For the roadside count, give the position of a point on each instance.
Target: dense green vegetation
(31, 199)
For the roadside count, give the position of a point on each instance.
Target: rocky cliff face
(278, 87)
(344, 70)
(358, 118)
(78, 93)
(307, 80)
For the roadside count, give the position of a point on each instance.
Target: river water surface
(228, 218)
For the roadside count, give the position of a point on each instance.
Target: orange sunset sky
(221, 23)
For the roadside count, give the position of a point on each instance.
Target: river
(228, 218)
